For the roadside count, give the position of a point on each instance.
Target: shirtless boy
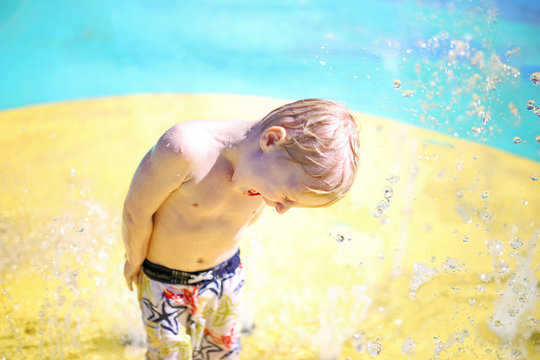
(197, 190)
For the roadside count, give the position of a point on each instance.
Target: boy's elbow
(130, 215)
(127, 216)
(134, 217)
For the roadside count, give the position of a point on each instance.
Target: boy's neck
(240, 139)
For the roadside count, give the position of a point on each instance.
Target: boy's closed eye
(287, 199)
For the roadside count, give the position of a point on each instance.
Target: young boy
(193, 195)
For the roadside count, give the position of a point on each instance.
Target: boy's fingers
(128, 283)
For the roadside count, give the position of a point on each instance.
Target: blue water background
(59, 50)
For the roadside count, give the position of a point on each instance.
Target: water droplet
(397, 83)
(516, 243)
(433, 259)
(501, 266)
(408, 93)
(472, 301)
(374, 347)
(518, 355)
(513, 312)
(534, 178)
(536, 111)
(378, 212)
(487, 117)
(495, 247)
(359, 342)
(340, 238)
(394, 179)
(538, 138)
(516, 140)
(323, 63)
(466, 238)
(480, 287)
(485, 277)
(422, 273)
(388, 192)
(531, 104)
(535, 78)
(485, 195)
(384, 204)
(452, 265)
(408, 346)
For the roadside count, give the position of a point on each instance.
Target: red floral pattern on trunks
(228, 339)
(186, 297)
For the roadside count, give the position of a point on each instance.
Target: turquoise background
(348, 50)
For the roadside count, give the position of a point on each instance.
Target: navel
(200, 260)
(195, 205)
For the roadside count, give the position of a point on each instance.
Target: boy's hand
(131, 274)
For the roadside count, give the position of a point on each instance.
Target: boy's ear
(273, 136)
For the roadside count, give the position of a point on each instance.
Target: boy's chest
(212, 197)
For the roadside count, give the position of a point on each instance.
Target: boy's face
(280, 182)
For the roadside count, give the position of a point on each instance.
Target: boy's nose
(281, 208)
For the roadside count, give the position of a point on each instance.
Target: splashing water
(455, 338)
(535, 78)
(374, 347)
(495, 247)
(408, 346)
(393, 179)
(517, 301)
(388, 192)
(452, 265)
(422, 274)
(516, 243)
(408, 93)
(359, 342)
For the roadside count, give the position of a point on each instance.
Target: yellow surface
(65, 168)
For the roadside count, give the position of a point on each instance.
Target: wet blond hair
(322, 137)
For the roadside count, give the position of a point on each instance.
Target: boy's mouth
(251, 192)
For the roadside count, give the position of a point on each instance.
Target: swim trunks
(191, 315)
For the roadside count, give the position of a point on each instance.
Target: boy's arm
(162, 170)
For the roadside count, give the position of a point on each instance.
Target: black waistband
(177, 277)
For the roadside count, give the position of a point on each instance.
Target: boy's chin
(241, 189)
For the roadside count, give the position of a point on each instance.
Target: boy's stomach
(192, 249)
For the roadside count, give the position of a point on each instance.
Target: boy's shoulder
(187, 144)
(186, 139)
